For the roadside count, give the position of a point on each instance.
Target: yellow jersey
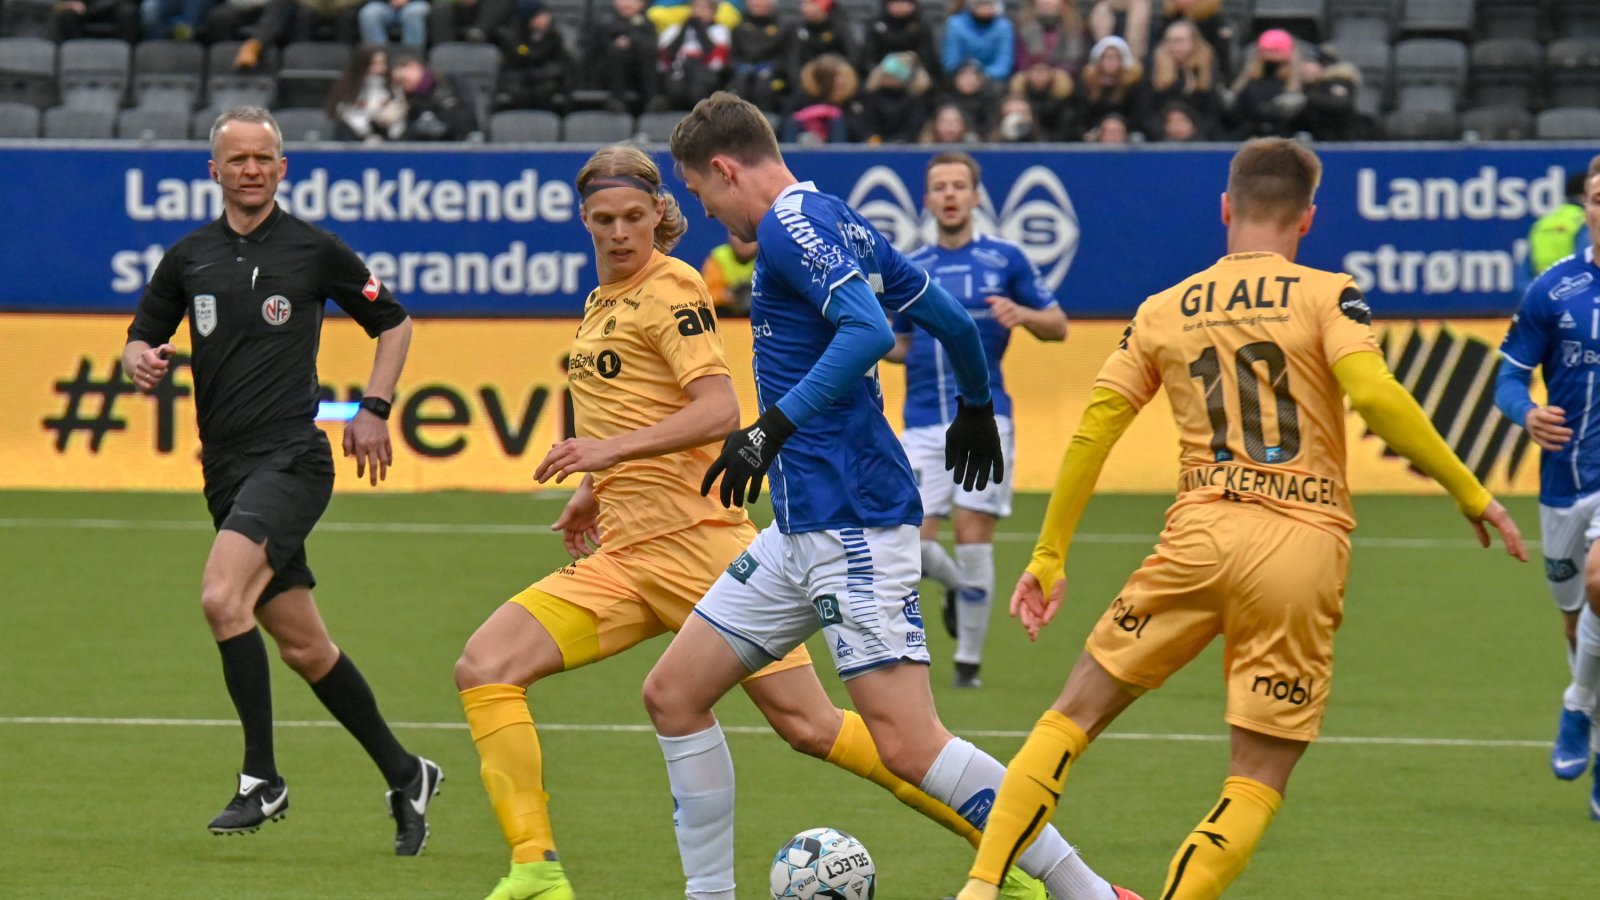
(641, 342)
(1246, 351)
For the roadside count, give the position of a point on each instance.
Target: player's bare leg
(236, 573)
(509, 652)
(975, 598)
(1220, 846)
(291, 617)
(698, 668)
(897, 704)
(1031, 789)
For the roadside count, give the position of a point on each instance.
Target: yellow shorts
(1271, 586)
(603, 604)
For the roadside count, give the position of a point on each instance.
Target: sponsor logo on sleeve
(372, 288)
(1354, 306)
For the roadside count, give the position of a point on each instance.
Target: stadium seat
(1375, 61)
(228, 87)
(19, 120)
(1575, 18)
(153, 124)
(79, 123)
(1421, 125)
(656, 127)
(1572, 70)
(93, 74)
(1350, 21)
(309, 71)
(476, 66)
(1452, 18)
(167, 75)
(1429, 73)
(1505, 72)
(304, 124)
(1510, 19)
(1568, 124)
(596, 127)
(200, 123)
(524, 126)
(28, 18)
(1498, 123)
(1305, 19)
(28, 71)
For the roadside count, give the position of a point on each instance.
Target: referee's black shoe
(409, 808)
(258, 801)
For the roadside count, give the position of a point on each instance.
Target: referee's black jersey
(255, 306)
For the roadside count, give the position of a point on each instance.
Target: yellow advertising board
(482, 400)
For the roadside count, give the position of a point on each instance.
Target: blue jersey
(985, 267)
(1557, 328)
(844, 467)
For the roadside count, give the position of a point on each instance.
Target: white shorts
(1566, 533)
(925, 449)
(859, 585)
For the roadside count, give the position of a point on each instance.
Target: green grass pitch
(1442, 642)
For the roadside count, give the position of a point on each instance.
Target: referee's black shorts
(272, 490)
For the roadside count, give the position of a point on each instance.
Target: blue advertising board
(491, 231)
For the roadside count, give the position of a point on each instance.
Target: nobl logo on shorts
(1279, 688)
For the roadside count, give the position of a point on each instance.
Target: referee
(253, 284)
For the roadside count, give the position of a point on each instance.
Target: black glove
(972, 446)
(745, 456)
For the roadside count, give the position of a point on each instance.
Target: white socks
(1580, 694)
(973, 603)
(937, 565)
(700, 772)
(966, 779)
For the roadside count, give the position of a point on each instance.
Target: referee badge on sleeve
(205, 314)
(371, 290)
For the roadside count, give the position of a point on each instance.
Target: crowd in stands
(880, 71)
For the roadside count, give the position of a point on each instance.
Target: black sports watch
(377, 406)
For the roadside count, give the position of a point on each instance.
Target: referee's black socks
(244, 669)
(346, 694)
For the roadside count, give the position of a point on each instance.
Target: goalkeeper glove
(745, 456)
(972, 446)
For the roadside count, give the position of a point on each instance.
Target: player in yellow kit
(1256, 354)
(653, 400)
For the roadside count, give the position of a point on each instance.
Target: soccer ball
(823, 864)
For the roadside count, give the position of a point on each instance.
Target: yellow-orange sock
(854, 752)
(1219, 848)
(512, 768)
(1028, 795)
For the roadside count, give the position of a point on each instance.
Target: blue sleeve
(950, 323)
(952, 44)
(1027, 285)
(1511, 385)
(903, 324)
(1527, 342)
(1000, 68)
(809, 256)
(862, 338)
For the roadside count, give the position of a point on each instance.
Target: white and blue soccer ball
(823, 864)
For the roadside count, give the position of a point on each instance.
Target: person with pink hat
(1268, 94)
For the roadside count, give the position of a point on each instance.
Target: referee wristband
(377, 406)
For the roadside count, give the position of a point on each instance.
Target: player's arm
(1029, 303)
(1040, 590)
(1393, 414)
(972, 449)
(161, 308)
(903, 332)
(1512, 396)
(712, 412)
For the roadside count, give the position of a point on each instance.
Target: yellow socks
(854, 752)
(512, 768)
(1220, 846)
(1028, 796)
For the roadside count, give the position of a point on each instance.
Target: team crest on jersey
(610, 326)
(1566, 320)
(276, 309)
(373, 286)
(205, 314)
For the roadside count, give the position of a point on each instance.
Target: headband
(619, 181)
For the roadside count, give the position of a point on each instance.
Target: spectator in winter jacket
(823, 28)
(437, 108)
(1052, 32)
(1183, 69)
(894, 108)
(694, 56)
(1111, 82)
(949, 125)
(364, 104)
(826, 108)
(900, 29)
(1053, 95)
(983, 34)
(619, 56)
(758, 55)
(536, 67)
(1016, 123)
(1267, 94)
(976, 95)
(1330, 87)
